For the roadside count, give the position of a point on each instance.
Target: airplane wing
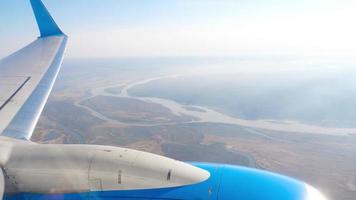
(2, 184)
(28, 75)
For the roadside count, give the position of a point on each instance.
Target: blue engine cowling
(251, 184)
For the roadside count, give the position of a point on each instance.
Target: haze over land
(289, 115)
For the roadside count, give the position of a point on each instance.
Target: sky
(215, 28)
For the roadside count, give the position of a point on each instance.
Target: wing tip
(47, 26)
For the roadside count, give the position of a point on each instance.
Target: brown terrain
(325, 161)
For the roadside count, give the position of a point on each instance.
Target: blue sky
(134, 28)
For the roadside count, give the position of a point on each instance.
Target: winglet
(45, 22)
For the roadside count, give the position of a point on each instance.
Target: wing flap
(9, 87)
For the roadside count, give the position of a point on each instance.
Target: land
(324, 160)
(132, 110)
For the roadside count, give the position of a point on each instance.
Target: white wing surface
(28, 75)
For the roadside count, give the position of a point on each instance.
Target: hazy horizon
(119, 28)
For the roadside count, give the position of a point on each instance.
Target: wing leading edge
(28, 75)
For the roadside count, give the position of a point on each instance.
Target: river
(204, 114)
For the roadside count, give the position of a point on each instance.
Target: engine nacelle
(52, 168)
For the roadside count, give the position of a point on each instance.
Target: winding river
(204, 114)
